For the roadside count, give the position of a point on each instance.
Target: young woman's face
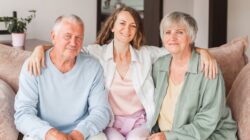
(124, 27)
(176, 38)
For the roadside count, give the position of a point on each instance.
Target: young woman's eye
(122, 23)
(133, 26)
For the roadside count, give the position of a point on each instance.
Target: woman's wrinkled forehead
(175, 23)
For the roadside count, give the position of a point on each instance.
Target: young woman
(127, 69)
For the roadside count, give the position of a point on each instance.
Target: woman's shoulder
(149, 48)
(96, 47)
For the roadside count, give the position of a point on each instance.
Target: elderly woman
(188, 106)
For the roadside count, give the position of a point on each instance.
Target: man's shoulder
(87, 58)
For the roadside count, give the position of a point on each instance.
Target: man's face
(68, 39)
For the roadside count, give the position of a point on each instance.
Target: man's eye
(67, 37)
(78, 39)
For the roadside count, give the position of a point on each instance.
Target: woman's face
(124, 27)
(176, 38)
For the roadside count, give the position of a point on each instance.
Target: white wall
(48, 10)
(201, 14)
(178, 5)
(238, 19)
(198, 9)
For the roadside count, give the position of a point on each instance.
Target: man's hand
(76, 135)
(54, 134)
(157, 136)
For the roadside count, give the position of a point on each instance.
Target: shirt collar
(193, 66)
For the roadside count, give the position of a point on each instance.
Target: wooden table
(30, 44)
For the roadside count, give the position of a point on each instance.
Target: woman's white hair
(177, 18)
(68, 18)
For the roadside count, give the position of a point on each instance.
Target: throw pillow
(7, 127)
(11, 61)
(239, 102)
(231, 58)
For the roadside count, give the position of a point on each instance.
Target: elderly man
(68, 100)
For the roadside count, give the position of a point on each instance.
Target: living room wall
(238, 20)
(196, 8)
(47, 11)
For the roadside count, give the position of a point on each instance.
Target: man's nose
(73, 41)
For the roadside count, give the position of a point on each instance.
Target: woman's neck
(183, 58)
(121, 50)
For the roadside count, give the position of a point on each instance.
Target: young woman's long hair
(106, 35)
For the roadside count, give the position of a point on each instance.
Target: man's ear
(52, 36)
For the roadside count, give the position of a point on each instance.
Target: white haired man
(68, 101)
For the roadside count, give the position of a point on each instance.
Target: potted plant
(17, 27)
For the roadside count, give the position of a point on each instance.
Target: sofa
(230, 56)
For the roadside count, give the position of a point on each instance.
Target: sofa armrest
(7, 127)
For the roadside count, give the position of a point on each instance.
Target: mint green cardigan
(201, 112)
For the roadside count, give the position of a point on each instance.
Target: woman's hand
(36, 61)
(157, 136)
(208, 64)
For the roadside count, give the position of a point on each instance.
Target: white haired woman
(188, 106)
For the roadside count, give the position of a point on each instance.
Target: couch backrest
(11, 61)
(231, 58)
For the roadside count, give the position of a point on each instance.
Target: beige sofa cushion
(7, 128)
(11, 61)
(239, 102)
(231, 58)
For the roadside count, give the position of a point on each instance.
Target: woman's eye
(167, 32)
(134, 26)
(179, 32)
(122, 23)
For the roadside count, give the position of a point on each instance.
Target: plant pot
(18, 39)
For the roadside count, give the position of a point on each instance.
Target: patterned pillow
(7, 127)
(11, 61)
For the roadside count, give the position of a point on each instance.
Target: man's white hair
(68, 18)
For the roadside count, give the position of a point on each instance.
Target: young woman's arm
(37, 59)
(208, 62)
